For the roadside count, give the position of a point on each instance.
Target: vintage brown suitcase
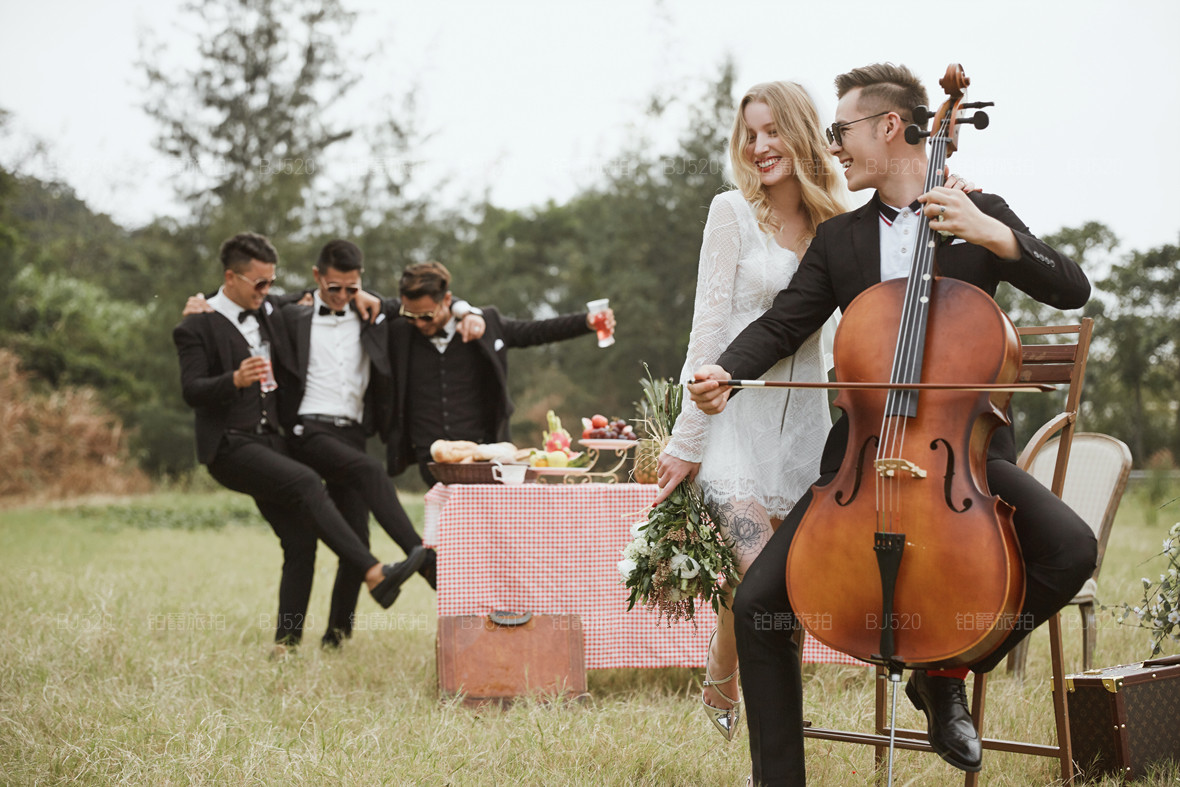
(505, 655)
(1123, 719)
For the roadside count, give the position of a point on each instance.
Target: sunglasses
(835, 131)
(259, 285)
(416, 316)
(349, 288)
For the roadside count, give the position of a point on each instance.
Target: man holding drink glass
(237, 436)
(458, 390)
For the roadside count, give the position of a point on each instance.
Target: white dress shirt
(249, 327)
(442, 339)
(337, 366)
(898, 236)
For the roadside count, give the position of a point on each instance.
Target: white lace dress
(765, 447)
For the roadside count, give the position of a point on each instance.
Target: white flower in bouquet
(684, 566)
(637, 549)
(627, 567)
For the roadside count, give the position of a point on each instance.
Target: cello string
(911, 324)
(915, 306)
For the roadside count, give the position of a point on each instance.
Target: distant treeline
(86, 303)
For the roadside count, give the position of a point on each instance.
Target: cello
(910, 503)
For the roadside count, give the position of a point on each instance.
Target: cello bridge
(891, 466)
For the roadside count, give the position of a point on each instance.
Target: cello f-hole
(860, 464)
(948, 476)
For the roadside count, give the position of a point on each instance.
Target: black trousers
(357, 484)
(293, 500)
(1059, 552)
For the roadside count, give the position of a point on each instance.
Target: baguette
(452, 450)
(489, 451)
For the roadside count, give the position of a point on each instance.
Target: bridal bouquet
(1159, 611)
(678, 554)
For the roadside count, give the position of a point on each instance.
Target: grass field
(136, 650)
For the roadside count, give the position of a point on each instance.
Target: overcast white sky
(530, 99)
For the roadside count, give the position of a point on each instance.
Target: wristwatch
(461, 309)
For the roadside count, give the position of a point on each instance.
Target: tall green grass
(136, 645)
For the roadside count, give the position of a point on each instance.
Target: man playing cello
(849, 254)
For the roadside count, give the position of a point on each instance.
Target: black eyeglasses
(835, 131)
(259, 285)
(349, 288)
(415, 316)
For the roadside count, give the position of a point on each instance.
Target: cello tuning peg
(980, 120)
(921, 115)
(977, 105)
(914, 134)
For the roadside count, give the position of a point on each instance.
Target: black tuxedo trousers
(293, 500)
(1059, 551)
(357, 484)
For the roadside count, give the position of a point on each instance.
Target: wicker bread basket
(469, 472)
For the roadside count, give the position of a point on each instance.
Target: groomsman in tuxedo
(850, 253)
(237, 433)
(456, 390)
(343, 394)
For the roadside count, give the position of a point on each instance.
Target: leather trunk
(496, 658)
(1123, 719)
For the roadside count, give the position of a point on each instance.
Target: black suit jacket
(844, 260)
(378, 417)
(500, 334)
(204, 343)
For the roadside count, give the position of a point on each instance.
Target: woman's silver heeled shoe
(725, 720)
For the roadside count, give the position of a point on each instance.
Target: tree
(1140, 364)
(635, 239)
(1089, 246)
(250, 125)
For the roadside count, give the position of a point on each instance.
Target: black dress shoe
(429, 570)
(387, 591)
(948, 722)
(334, 637)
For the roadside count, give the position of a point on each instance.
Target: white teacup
(509, 474)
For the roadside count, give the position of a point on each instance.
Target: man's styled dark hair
(342, 255)
(425, 279)
(237, 252)
(885, 87)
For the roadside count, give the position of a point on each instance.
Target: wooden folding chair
(1099, 466)
(1057, 364)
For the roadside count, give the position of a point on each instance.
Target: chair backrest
(1057, 363)
(1099, 466)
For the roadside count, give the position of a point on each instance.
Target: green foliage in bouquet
(1159, 611)
(678, 554)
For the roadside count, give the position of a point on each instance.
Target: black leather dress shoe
(334, 637)
(387, 591)
(429, 569)
(948, 722)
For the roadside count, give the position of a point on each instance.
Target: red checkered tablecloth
(554, 549)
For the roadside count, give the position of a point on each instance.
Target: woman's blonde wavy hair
(797, 123)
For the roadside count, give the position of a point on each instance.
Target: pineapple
(646, 456)
(657, 415)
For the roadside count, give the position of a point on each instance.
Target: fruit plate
(609, 445)
(536, 471)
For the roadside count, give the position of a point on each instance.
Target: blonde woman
(758, 457)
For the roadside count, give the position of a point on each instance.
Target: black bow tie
(890, 213)
(249, 313)
(325, 310)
